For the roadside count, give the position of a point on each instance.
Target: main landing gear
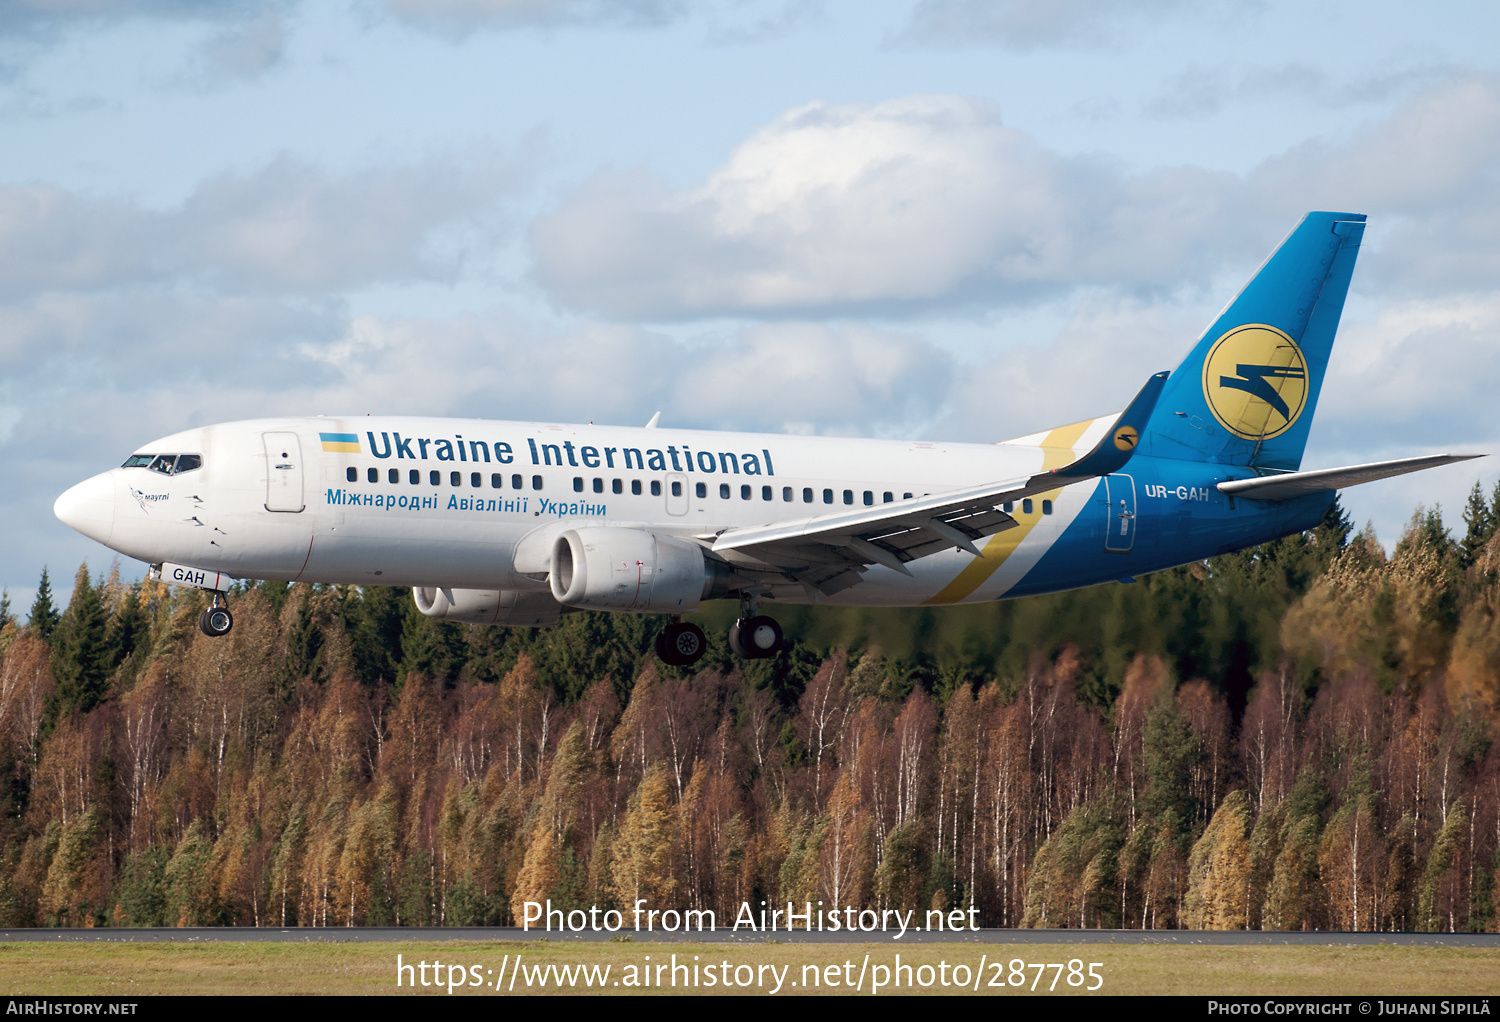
(753, 636)
(216, 620)
(681, 644)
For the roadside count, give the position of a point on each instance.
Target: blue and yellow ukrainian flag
(341, 443)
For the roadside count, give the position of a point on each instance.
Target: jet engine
(629, 569)
(488, 606)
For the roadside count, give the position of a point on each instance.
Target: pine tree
(44, 616)
(81, 655)
(6, 617)
(1479, 516)
(130, 626)
(1438, 895)
(1293, 901)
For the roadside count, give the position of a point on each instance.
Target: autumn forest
(1298, 736)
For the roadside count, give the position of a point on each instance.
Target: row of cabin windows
(747, 492)
(435, 478)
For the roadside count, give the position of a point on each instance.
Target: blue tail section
(1246, 393)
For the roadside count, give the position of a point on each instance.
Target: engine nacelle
(628, 569)
(488, 606)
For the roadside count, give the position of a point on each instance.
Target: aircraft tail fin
(1246, 393)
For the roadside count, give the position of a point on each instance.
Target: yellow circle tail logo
(1126, 438)
(1255, 381)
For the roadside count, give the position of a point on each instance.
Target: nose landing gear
(216, 620)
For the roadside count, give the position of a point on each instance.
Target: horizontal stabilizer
(1294, 484)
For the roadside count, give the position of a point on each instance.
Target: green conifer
(44, 615)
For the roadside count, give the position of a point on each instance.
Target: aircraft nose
(89, 507)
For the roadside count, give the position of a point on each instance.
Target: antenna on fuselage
(654, 420)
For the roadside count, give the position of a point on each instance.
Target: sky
(931, 219)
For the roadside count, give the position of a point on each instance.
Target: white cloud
(910, 202)
(1027, 24)
(783, 377)
(287, 226)
(1199, 92)
(930, 203)
(460, 18)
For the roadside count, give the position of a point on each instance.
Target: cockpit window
(166, 464)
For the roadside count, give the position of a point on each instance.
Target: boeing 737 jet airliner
(515, 523)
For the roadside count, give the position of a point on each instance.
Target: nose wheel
(681, 644)
(216, 620)
(755, 637)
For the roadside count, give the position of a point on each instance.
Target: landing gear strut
(754, 635)
(681, 644)
(216, 620)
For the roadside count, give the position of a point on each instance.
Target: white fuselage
(451, 500)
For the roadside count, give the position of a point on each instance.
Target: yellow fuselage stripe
(1057, 451)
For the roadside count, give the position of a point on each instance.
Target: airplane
(516, 523)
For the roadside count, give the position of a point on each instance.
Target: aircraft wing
(830, 552)
(1285, 485)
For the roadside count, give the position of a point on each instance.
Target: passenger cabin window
(1046, 507)
(676, 488)
(848, 496)
(455, 478)
(828, 496)
(702, 490)
(765, 493)
(616, 486)
(515, 482)
(373, 474)
(497, 481)
(414, 477)
(656, 487)
(869, 498)
(435, 478)
(635, 487)
(394, 475)
(536, 482)
(352, 474)
(724, 491)
(906, 496)
(786, 493)
(1026, 506)
(807, 497)
(598, 485)
(578, 484)
(744, 493)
